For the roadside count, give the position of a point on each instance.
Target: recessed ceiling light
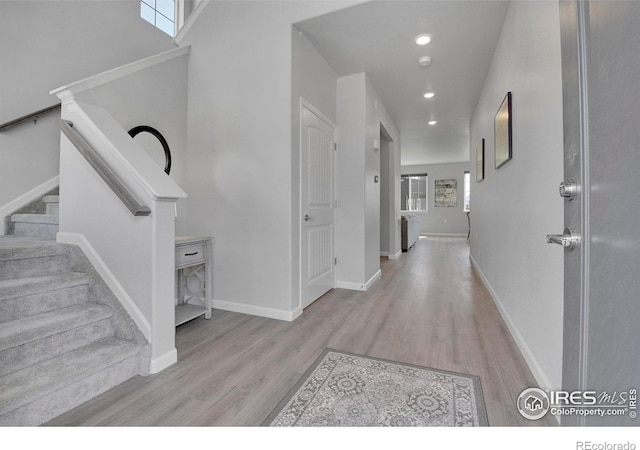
(429, 94)
(432, 122)
(423, 39)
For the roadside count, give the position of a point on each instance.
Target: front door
(317, 142)
(601, 96)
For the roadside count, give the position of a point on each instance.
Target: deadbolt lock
(569, 189)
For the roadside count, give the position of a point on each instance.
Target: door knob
(569, 189)
(568, 239)
(307, 218)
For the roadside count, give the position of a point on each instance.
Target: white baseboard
(373, 279)
(359, 286)
(384, 253)
(27, 198)
(349, 285)
(455, 235)
(396, 256)
(261, 311)
(163, 361)
(109, 278)
(532, 362)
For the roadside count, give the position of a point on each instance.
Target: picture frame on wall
(502, 132)
(480, 161)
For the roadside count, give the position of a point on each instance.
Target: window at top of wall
(161, 13)
(467, 191)
(413, 192)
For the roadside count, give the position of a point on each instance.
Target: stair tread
(51, 199)
(50, 219)
(22, 247)
(20, 287)
(32, 328)
(29, 384)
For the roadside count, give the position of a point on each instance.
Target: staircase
(64, 338)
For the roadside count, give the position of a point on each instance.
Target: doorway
(386, 193)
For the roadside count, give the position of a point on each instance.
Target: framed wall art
(480, 161)
(502, 132)
(446, 193)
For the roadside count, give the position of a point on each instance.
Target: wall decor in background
(480, 161)
(446, 193)
(502, 132)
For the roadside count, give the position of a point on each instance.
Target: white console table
(194, 279)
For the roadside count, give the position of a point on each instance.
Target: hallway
(428, 309)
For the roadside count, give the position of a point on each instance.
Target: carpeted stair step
(22, 297)
(36, 394)
(42, 226)
(52, 203)
(33, 339)
(29, 257)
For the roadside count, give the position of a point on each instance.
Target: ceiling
(378, 38)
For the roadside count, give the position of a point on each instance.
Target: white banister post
(163, 352)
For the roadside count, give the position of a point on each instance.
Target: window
(413, 192)
(467, 191)
(161, 13)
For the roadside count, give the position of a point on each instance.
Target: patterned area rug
(346, 390)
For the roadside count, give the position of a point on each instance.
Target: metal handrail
(31, 116)
(102, 168)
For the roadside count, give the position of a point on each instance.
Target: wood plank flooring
(429, 308)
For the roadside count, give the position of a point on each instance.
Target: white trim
(384, 254)
(359, 286)
(456, 235)
(396, 256)
(260, 311)
(85, 84)
(27, 198)
(162, 362)
(373, 279)
(350, 285)
(118, 290)
(305, 104)
(190, 21)
(532, 362)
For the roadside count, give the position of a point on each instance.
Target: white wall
(46, 44)
(360, 113)
(442, 221)
(240, 147)
(517, 205)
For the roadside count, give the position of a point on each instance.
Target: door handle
(568, 239)
(307, 218)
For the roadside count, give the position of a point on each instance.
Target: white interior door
(317, 207)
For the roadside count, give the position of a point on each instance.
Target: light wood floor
(428, 309)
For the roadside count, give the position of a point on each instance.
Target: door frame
(305, 104)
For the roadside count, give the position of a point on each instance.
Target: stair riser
(29, 305)
(44, 231)
(53, 209)
(51, 405)
(49, 347)
(33, 267)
